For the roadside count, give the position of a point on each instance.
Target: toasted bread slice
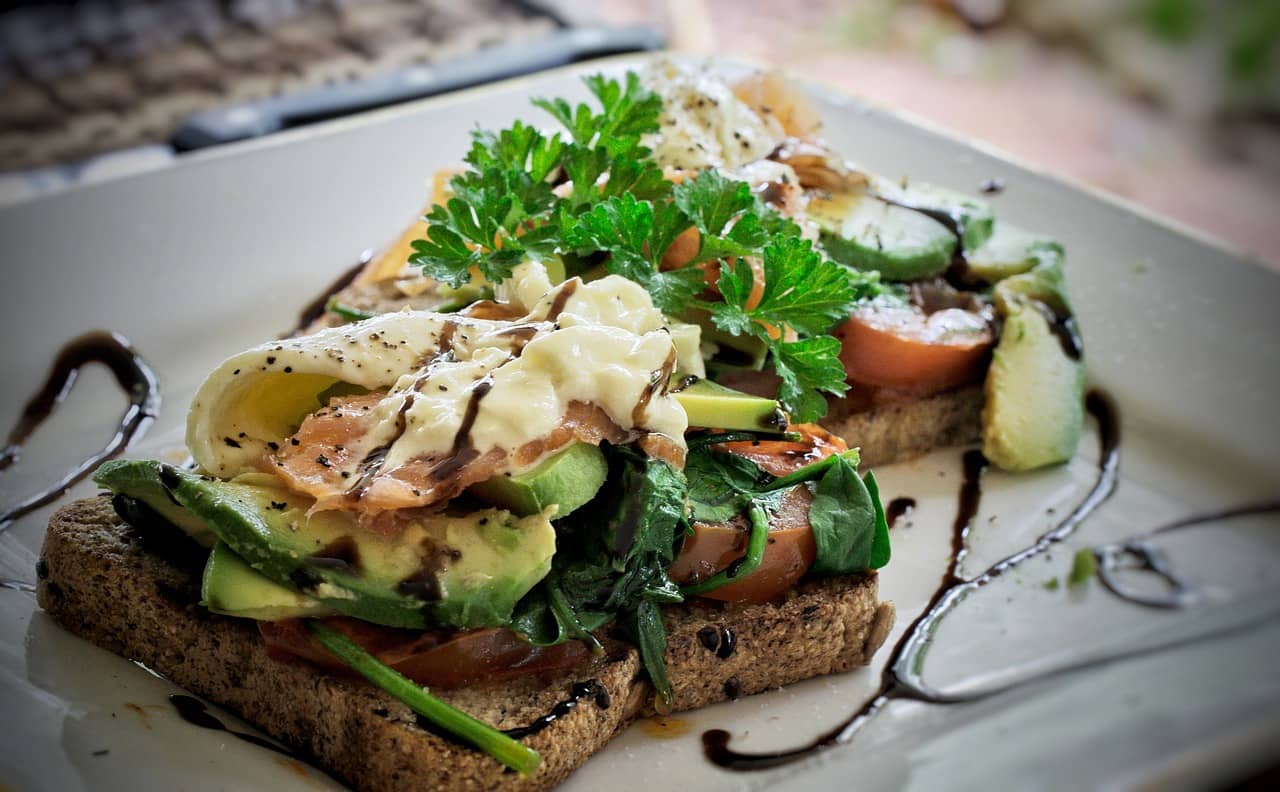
(909, 427)
(136, 593)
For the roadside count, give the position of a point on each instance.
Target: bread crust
(910, 427)
(136, 593)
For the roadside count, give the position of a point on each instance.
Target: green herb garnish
(511, 753)
(611, 563)
(1083, 567)
(617, 205)
(348, 312)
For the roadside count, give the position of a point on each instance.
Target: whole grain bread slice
(908, 427)
(135, 592)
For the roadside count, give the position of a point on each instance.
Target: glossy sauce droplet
(665, 727)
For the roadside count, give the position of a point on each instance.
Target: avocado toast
(648, 538)
(472, 504)
(926, 358)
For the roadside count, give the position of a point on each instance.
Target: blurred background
(1172, 104)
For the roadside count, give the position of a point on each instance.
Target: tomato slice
(787, 556)
(780, 457)
(436, 659)
(790, 549)
(904, 347)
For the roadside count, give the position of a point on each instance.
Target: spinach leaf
(745, 565)
(647, 630)
(843, 519)
(720, 485)
(611, 563)
(880, 551)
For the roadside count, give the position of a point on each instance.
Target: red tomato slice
(790, 550)
(902, 347)
(441, 660)
(787, 556)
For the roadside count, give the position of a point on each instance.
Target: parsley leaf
(628, 111)
(807, 367)
(802, 291)
(722, 209)
(636, 233)
(520, 148)
(805, 293)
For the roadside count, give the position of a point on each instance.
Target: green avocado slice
(231, 587)
(1011, 251)
(970, 218)
(712, 406)
(441, 570)
(567, 481)
(1034, 393)
(864, 232)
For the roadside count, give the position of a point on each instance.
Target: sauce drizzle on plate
(134, 377)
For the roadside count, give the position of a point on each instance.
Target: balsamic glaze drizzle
(719, 639)
(320, 304)
(193, 711)
(134, 377)
(1136, 553)
(590, 689)
(899, 679)
(897, 508)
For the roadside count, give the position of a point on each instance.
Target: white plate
(215, 254)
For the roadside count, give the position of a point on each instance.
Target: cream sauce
(601, 343)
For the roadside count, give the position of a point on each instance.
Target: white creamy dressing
(605, 348)
(703, 125)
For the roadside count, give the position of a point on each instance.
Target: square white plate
(220, 251)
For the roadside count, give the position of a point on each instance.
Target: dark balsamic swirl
(591, 689)
(899, 679)
(902, 679)
(193, 711)
(317, 307)
(1138, 554)
(898, 508)
(134, 377)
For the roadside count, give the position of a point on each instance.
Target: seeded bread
(135, 593)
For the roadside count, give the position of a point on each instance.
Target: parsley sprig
(595, 191)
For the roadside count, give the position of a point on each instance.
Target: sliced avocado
(969, 218)
(713, 406)
(1044, 284)
(232, 588)
(138, 479)
(1011, 251)
(866, 233)
(567, 480)
(441, 570)
(1034, 406)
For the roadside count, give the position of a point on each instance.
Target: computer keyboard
(77, 79)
